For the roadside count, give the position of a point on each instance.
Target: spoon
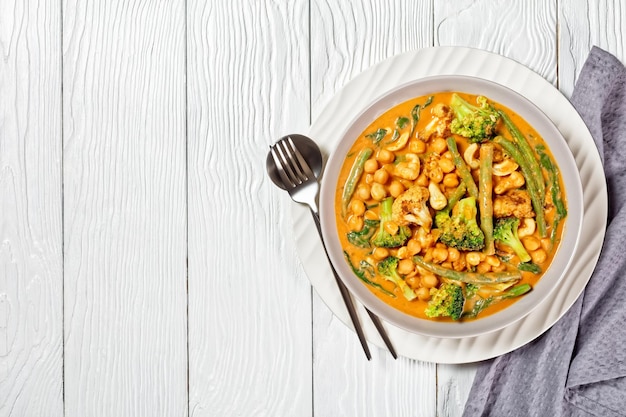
(294, 164)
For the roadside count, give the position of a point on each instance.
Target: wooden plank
(453, 386)
(31, 271)
(124, 208)
(347, 38)
(583, 25)
(249, 299)
(522, 30)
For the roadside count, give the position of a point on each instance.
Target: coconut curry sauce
(431, 200)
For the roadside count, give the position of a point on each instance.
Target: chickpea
(439, 145)
(414, 247)
(440, 254)
(453, 254)
(546, 243)
(370, 215)
(451, 180)
(405, 266)
(417, 146)
(396, 188)
(483, 268)
(413, 282)
(429, 281)
(357, 207)
(436, 176)
(355, 223)
(492, 260)
(472, 258)
(422, 180)
(381, 176)
(447, 264)
(403, 253)
(370, 166)
(446, 165)
(369, 179)
(539, 256)
(380, 253)
(428, 255)
(391, 227)
(407, 183)
(423, 294)
(531, 243)
(363, 192)
(460, 265)
(385, 156)
(499, 268)
(378, 191)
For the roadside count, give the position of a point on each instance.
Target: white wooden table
(147, 264)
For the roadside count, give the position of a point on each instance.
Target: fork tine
(288, 182)
(291, 160)
(303, 164)
(287, 163)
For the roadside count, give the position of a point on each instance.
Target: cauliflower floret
(410, 207)
(514, 203)
(439, 124)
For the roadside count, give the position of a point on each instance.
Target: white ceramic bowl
(572, 224)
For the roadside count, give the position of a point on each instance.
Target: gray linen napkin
(578, 367)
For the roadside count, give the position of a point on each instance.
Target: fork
(301, 182)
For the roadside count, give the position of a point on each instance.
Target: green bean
(468, 277)
(555, 188)
(353, 178)
(485, 203)
(527, 153)
(456, 195)
(483, 303)
(464, 172)
(535, 196)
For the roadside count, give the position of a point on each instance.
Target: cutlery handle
(345, 294)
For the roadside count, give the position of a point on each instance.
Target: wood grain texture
(522, 30)
(124, 208)
(346, 39)
(453, 386)
(583, 25)
(346, 384)
(31, 274)
(249, 299)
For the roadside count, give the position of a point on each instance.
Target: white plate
(369, 85)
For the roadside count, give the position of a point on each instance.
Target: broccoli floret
(385, 239)
(477, 123)
(460, 230)
(446, 301)
(505, 231)
(362, 237)
(388, 269)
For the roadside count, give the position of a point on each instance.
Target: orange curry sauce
(431, 146)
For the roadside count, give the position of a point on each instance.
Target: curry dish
(449, 207)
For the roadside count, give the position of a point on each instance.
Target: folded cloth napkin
(578, 367)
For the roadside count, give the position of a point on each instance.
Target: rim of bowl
(565, 162)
